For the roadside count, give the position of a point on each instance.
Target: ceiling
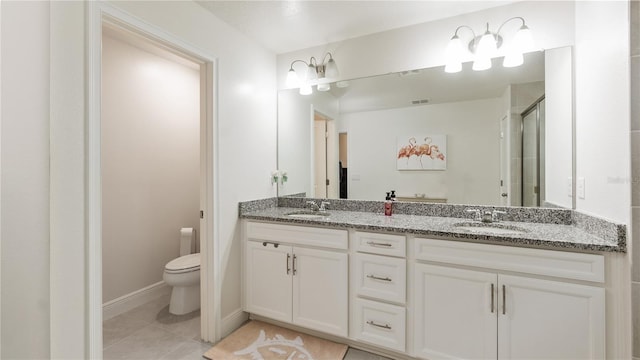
(285, 26)
(434, 86)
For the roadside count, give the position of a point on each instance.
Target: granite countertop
(539, 235)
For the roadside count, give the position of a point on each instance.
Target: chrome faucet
(487, 216)
(476, 214)
(313, 206)
(323, 205)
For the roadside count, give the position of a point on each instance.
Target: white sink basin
(497, 229)
(308, 215)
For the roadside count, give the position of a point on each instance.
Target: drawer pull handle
(379, 278)
(265, 243)
(385, 326)
(372, 243)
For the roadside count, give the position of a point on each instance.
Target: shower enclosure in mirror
(343, 143)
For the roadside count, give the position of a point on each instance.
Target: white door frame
(0, 171)
(97, 13)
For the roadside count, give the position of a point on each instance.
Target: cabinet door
(542, 319)
(320, 290)
(268, 283)
(454, 316)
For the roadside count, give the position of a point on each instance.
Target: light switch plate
(580, 188)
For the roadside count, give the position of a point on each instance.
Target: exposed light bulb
(306, 89)
(324, 87)
(292, 79)
(453, 67)
(480, 64)
(513, 59)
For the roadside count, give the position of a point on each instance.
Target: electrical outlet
(569, 186)
(580, 188)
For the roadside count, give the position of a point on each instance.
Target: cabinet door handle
(294, 264)
(288, 268)
(265, 243)
(504, 299)
(372, 243)
(379, 278)
(492, 297)
(385, 326)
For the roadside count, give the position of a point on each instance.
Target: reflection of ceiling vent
(418, 102)
(409, 73)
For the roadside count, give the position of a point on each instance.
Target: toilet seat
(183, 264)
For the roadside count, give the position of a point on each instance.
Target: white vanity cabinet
(297, 275)
(488, 313)
(427, 298)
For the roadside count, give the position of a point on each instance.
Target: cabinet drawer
(569, 265)
(298, 235)
(381, 277)
(384, 244)
(380, 324)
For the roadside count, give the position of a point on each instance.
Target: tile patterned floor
(151, 332)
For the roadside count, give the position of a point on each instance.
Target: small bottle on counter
(393, 195)
(388, 205)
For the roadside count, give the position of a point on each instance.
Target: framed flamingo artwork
(427, 152)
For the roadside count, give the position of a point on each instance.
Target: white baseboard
(233, 321)
(127, 302)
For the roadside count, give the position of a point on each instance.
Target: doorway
(533, 121)
(150, 157)
(343, 164)
(505, 167)
(325, 157)
(102, 14)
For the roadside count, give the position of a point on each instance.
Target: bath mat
(261, 341)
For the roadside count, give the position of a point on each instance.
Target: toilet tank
(187, 241)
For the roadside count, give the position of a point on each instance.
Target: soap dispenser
(388, 205)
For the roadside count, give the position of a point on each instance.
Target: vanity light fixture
(314, 73)
(484, 47)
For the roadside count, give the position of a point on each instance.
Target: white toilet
(183, 274)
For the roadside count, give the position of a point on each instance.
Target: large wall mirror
(502, 136)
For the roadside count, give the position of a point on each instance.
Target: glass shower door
(532, 145)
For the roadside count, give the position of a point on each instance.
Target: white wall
(473, 152)
(150, 164)
(25, 180)
(67, 185)
(421, 46)
(602, 107)
(295, 114)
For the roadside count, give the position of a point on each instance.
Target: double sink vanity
(430, 281)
